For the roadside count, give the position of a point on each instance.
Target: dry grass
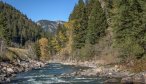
(9, 56)
(105, 51)
(22, 54)
(138, 66)
(17, 50)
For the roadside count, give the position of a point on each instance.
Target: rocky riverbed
(9, 70)
(114, 73)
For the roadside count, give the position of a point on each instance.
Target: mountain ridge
(48, 25)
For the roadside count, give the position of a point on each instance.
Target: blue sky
(44, 9)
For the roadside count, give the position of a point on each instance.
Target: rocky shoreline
(9, 70)
(114, 73)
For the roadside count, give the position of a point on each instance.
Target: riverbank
(114, 73)
(9, 70)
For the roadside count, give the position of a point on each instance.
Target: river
(52, 74)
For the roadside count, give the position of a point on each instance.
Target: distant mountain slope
(15, 27)
(48, 25)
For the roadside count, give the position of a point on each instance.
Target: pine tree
(37, 50)
(80, 24)
(109, 3)
(128, 26)
(17, 28)
(89, 6)
(1, 25)
(73, 15)
(97, 24)
(61, 35)
(6, 29)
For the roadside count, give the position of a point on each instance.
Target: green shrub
(85, 53)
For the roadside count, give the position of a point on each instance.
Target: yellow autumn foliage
(55, 44)
(68, 48)
(43, 43)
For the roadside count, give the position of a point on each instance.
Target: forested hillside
(16, 28)
(49, 26)
(17, 31)
(96, 30)
(107, 35)
(107, 29)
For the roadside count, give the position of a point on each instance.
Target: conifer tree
(1, 25)
(5, 31)
(89, 6)
(97, 23)
(80, 25)
(128, 26)
(17, 28)
(61, 35)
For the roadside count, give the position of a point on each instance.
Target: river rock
(127, 80)
(38, 64)
(144, 77)
(111, 81)
(88, 72)
(2, 77)
(7, 79)
(138, 79)
(42, 64)
(10, 70)
(99, 70)
(4, 69)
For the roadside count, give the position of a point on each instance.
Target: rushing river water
(51, 74)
